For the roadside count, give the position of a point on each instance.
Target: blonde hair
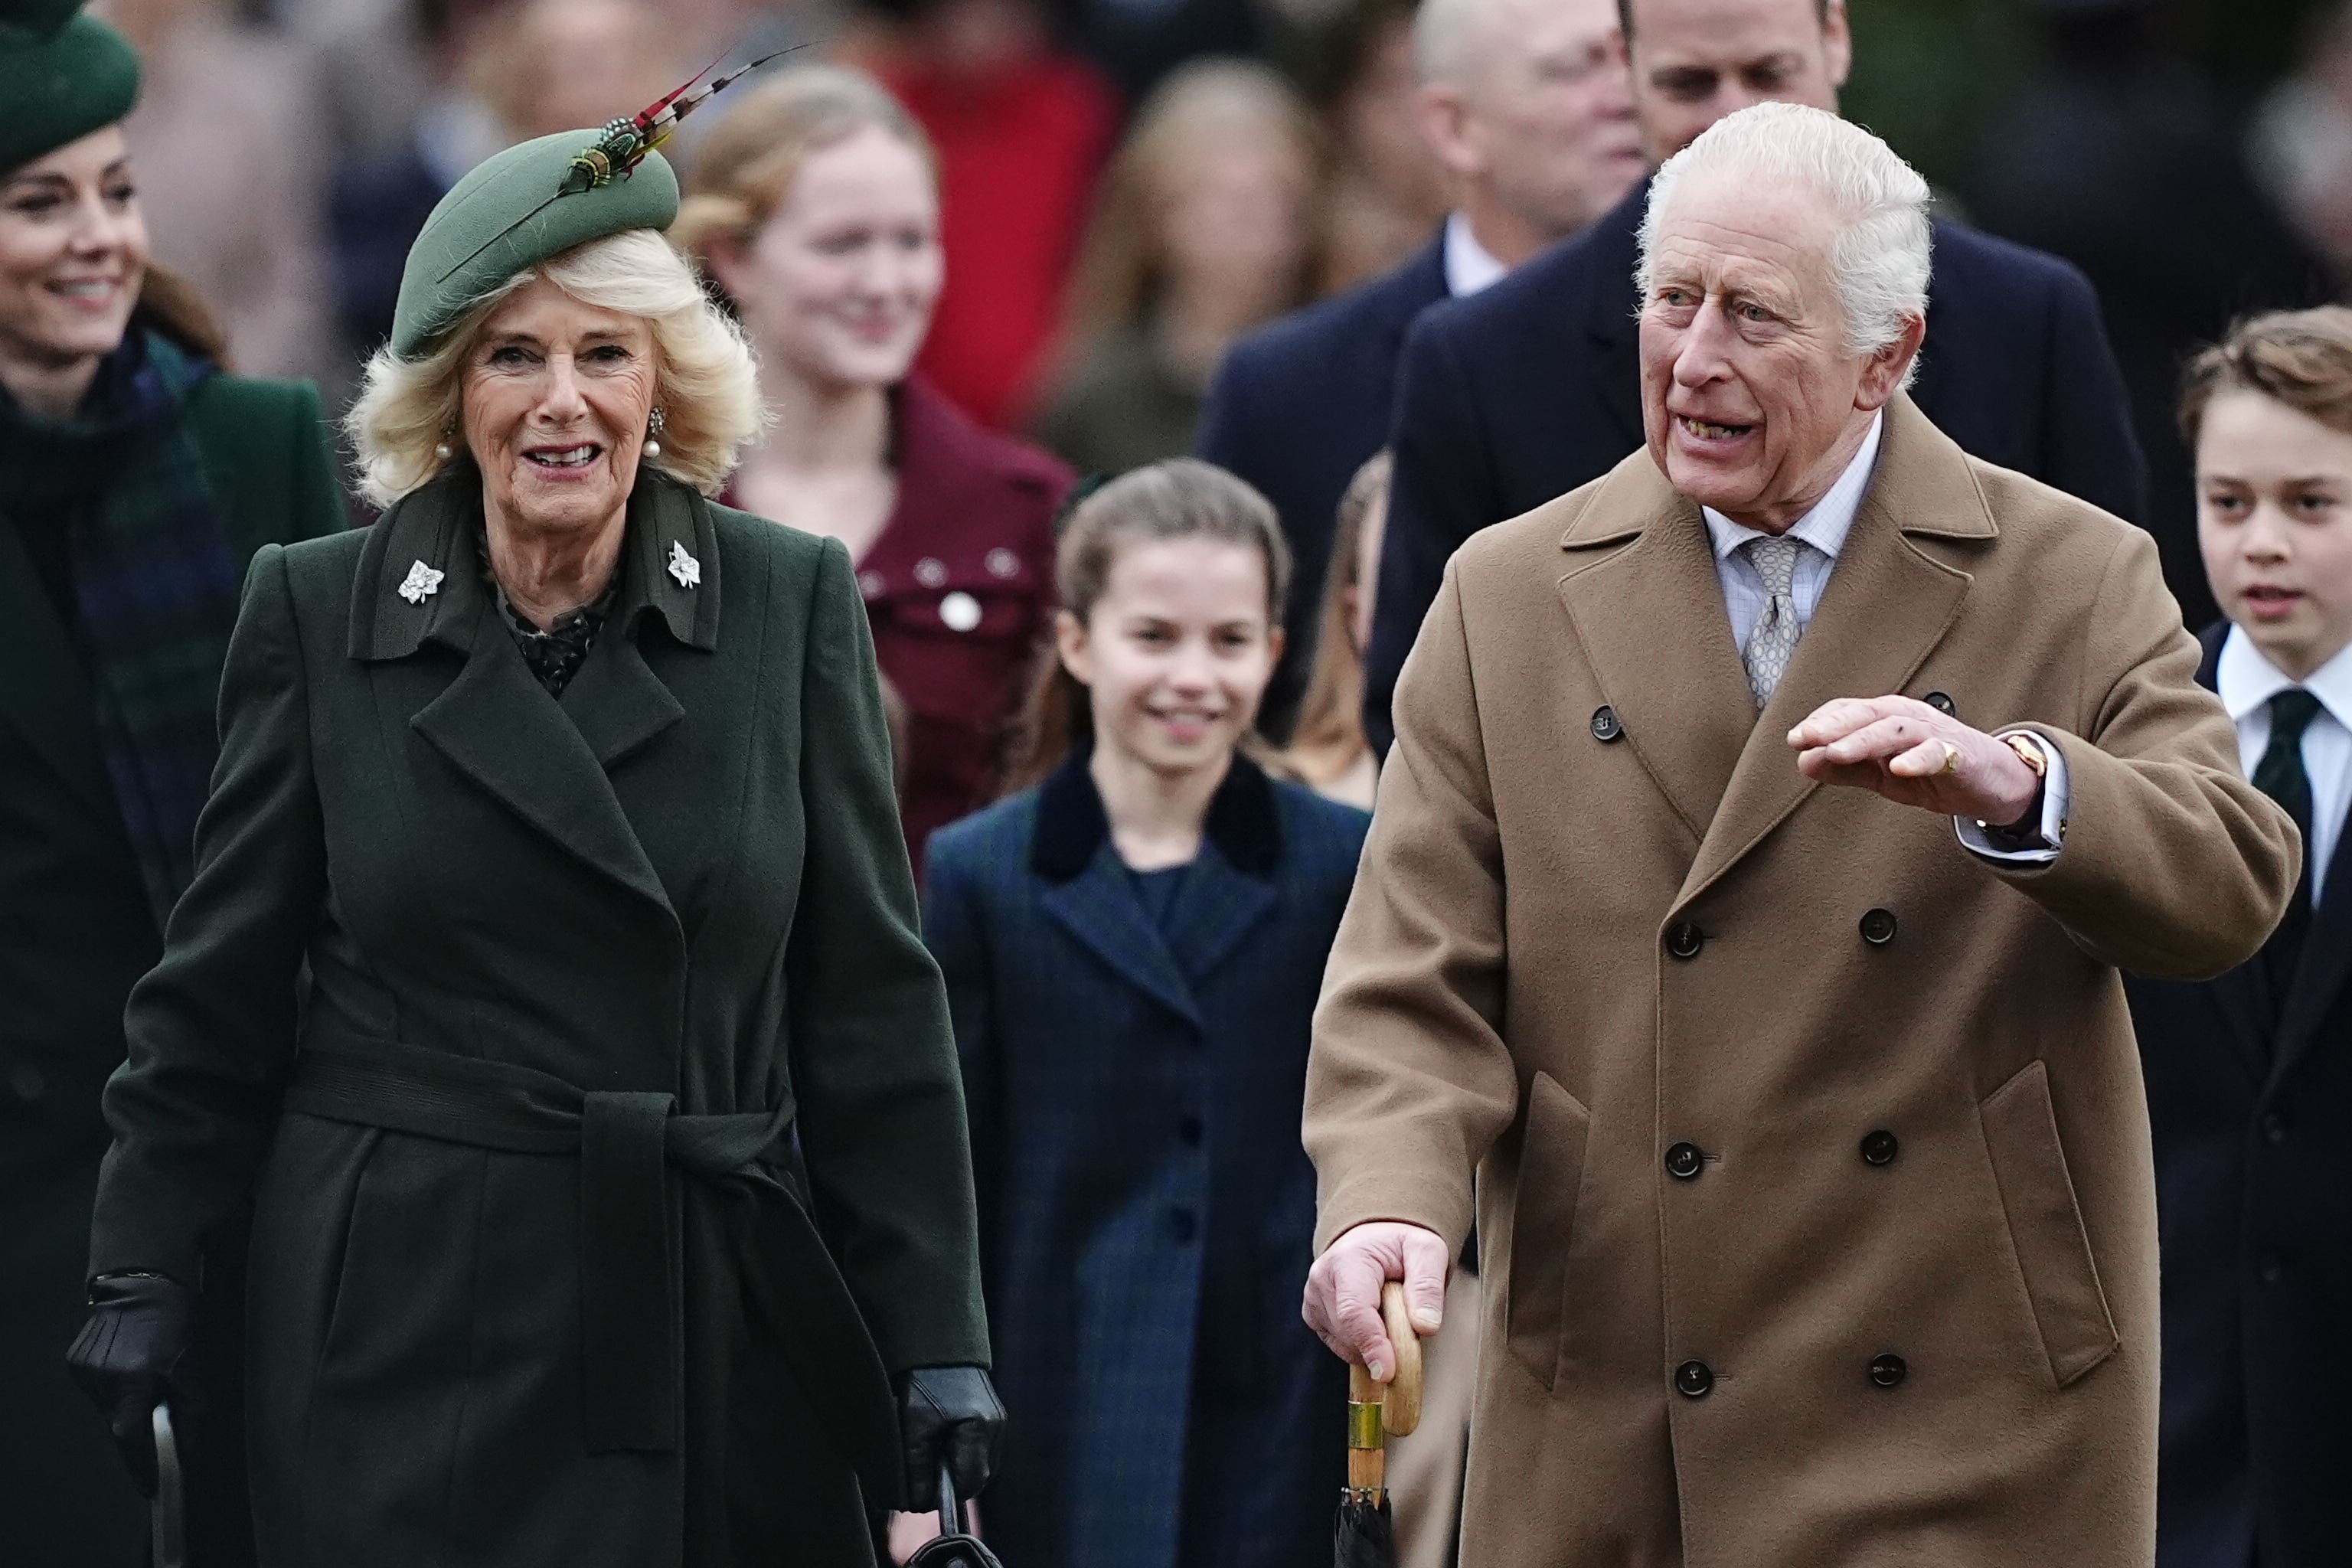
(2301, 358)
(704, 382)
(1329, 735)
(1120, 269)
(743, 173)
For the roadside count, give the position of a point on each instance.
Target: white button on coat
(959, 611)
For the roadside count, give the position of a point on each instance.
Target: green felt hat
(60, 83)
(513, 212)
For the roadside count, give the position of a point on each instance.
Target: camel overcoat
(1812, 1158)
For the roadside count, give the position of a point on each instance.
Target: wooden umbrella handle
(1398, 1400)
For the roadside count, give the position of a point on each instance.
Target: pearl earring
(443, 451)
(654, 428)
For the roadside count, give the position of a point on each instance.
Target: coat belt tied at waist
(631, 1337)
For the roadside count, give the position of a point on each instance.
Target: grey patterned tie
(1774, 637)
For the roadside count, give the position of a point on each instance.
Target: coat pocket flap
(1543, 1216)
(2045, 1224)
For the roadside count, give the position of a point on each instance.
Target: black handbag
(953, 1548)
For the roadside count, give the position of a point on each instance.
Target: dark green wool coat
(617, 1155)
(76, 931)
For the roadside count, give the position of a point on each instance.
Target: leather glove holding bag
(949, 1419)
(131, 1356)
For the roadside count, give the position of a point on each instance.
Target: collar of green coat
(436, 527)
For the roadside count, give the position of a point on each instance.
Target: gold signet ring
(1951, 759)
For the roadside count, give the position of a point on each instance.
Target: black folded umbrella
(952, 1548)
(1363, 1535)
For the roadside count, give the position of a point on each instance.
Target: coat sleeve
(1440, 493)
(210, 1029)
(1408, 1081)
(956, 932)
(873, 1067)
(2091, 450)
(2173, 866)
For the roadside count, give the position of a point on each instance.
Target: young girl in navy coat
(1133, 947)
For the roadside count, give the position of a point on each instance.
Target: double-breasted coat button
(1683, 1162)
(1182, 1225)
(1886, 1371)
(2274, 1127)
(1693, 1379)
(1879, 1147)
(1878, 927)
(1942, 703)
(1684, 940)
(26, 1083)
(1606, 725)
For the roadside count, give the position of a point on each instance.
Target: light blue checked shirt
(1822, 533)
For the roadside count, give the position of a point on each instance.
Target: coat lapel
(494, 722)
(1614, 370)
(1231, 887)
(46, 693)
(2326, 967)
(1647, 609)
(1885, 607)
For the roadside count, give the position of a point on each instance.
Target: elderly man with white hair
(1767, 824)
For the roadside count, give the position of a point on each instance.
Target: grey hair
(1883, 248)
(705, 383)
(1448, 38)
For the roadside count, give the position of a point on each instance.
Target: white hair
(1882, 251)
(1449, 37)
(704, 382)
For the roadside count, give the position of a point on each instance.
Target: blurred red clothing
(1020, 145)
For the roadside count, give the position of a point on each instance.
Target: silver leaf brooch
(421, 583)
(684, 567)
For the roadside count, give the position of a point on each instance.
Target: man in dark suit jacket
(1531, 390)
(2249, 1075)
(1525, 101)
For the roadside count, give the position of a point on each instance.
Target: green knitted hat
(57, 84)
(514, 211)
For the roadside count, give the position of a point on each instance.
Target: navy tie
(2280, 776)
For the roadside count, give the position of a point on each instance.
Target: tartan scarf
(155, 586)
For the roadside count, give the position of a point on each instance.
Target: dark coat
(2250, 1099)
(76, 931)
(616, 1007)
(1147, 1214)
(1533, 387)
(1296, 410)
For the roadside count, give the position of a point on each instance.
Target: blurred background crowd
(1130, 184)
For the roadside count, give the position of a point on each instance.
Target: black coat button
(2269, 1267)
(2274, 1127)
(1886, 1371)
(1878, 927)
(1606, 725)
(1684, 940)
(1685, 1162)
(1182, 1225)
(1942, 703)
(1191, 1131)
(1693, 1379)
(26, 1083)
(1879, 1147)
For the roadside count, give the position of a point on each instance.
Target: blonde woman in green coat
(614, 1203)
(137, 478)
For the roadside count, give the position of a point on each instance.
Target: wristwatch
(2026, 832)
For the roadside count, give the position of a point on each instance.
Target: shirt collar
(2247, 680)
(1825, 527)
(1469, 265)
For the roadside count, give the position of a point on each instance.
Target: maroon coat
(974, 530)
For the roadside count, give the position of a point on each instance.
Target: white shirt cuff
(2053, 828)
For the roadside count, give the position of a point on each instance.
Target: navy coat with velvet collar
(617, 1155)
(1147, 1214)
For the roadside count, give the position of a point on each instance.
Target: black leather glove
(948, 1416)
(132, 1356)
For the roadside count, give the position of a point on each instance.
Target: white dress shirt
(2248, 681)
(1469, 265)
(1822, 533)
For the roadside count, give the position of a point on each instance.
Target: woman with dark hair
(136, 480)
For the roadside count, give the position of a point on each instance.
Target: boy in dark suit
(2249, 1075)
(1531, 390)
